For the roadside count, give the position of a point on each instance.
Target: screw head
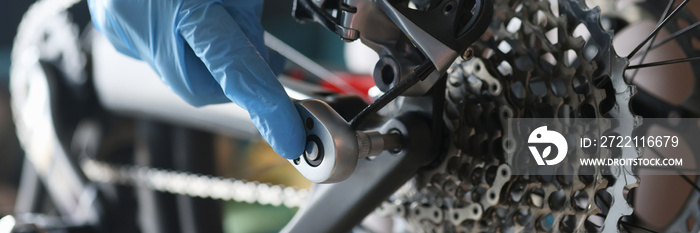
(312, 151)
(468, 54)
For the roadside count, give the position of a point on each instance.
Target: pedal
(333, 147)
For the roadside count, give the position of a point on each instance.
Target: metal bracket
(403, 36)
(304, 10)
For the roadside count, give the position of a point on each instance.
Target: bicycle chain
(194, 185)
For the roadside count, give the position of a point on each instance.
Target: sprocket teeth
(470, 126)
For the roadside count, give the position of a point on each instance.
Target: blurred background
(10, 152)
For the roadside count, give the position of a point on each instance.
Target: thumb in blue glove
(207, 51)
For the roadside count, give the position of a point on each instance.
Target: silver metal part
(468, 54)
(441, 55)
(392, 141)
(473, 171)
(380, 32)
(332, 147)
(337, 143)
(477, 68)
(492, 195)
(471, 212)
(392, 209)
(311, 151)
(371, 143)
(341, 206)
(426, 212)
(194, 185)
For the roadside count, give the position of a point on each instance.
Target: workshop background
(10, 151)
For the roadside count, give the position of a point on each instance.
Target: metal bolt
(468, 54)
(311, 152)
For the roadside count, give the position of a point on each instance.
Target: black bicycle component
(403, 34)
(170, 147)
(425, 69)
(455, 23)
(307, 10)
(461, 22)
(347, 106)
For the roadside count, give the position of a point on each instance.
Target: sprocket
(532, 63)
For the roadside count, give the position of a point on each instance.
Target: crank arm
(333, 147)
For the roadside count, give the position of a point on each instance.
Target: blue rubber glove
(207, 51)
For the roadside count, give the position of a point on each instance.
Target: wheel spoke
(637, 226)
(674, 36)
(625, 224)
(661, 63)
(658, 28)
(690, 182)
(644, 54)
(695, 186)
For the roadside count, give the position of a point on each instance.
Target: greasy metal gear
(532, 63)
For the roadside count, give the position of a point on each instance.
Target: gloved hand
(207, 51)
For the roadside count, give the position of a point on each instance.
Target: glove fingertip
(280, 124)
(290, 142)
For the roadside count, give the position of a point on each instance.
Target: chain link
(194, 185)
